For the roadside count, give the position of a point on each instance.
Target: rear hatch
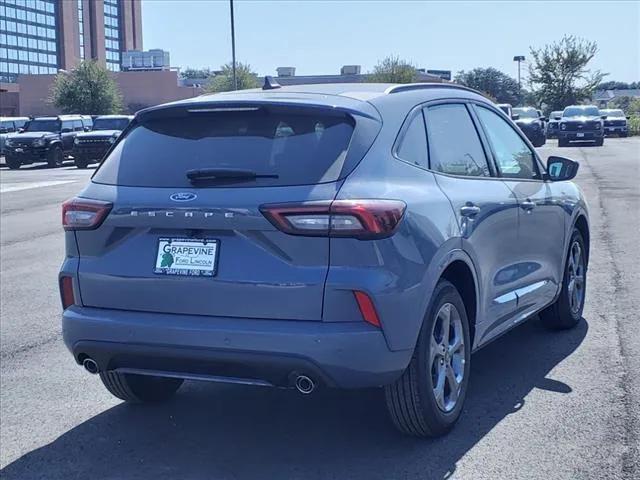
(185, 233)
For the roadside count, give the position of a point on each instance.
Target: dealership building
(39, 38)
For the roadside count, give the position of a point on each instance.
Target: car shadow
(220, 432)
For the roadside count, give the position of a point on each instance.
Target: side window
(455, 147)
(67, 126)
(513, 156)
(413, 145)
(87, 122)
(77, 126)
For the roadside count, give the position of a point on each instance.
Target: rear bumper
(338, 354)
(616, 129)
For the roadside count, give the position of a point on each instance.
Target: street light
(233, 48)
(519, 58)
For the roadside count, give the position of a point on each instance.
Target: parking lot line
(15, 187)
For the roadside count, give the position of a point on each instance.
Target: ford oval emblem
(183, 197)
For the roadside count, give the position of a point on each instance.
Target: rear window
(291, 147)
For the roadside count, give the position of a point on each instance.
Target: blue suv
(348, 235)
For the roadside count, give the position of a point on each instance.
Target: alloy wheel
(447, 357)
(576, 272)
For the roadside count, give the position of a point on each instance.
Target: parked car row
(55, 139)
(575, 123)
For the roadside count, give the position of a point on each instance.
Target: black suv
(45, 139)
(581, 123)
(91, 146)
(531, 124)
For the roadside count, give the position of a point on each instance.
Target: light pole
(519, 58)
(233, 48)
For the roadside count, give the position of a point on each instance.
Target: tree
(614, 85)
(393, 70)
(630, 105)
(223, 82)
(195, 73)
(492, 82)
(89, 89)
(559, 72)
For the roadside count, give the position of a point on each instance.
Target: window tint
(453, 141)
(67, 124)
(77, 126)
(297, 148)
(413, 146)
(514, 158)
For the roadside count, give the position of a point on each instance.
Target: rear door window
(67, 126)
(292, 147)
(77, 126)
(454, 144)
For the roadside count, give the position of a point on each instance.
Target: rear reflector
(84, 213)
(66, 292)
(363, 219)
(367, 309)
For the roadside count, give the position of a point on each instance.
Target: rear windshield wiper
(224, 175)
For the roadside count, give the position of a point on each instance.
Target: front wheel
(599, 142)
(566, 312)
(139, 388)
(427, 399)
(13, 163)
(81, 163)
(562, 142)
(55, 157)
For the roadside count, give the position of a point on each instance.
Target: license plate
(579, 135)
(187, 256)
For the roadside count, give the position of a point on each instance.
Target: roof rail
(406, 87)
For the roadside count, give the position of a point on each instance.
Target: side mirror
(87, 129)
(543, 119)
(557, 118)
(603, 117)
(21, 130)
(560, 169)
(628, 117)
(515, 116)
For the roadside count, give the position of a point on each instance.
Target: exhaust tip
(90, 365)
(304, 384)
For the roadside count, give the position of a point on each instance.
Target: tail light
(363, 219)
(84, 213)
(66, 292)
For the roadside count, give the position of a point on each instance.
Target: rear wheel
(139, 388)
(623, 134)
(562, 142)
(428, 398)
(539, 142)
(13, 163)
(599, 142)
(55, 157)
(566, 312)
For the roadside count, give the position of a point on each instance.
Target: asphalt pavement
(541, 405)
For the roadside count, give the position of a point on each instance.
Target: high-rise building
(43, 36)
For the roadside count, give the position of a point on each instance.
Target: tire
(540, 142)
(55, 157)
(562, 142)
(599, 142)
(13, 163)
(139, 388)
(566, 311)
(623, 135)
(81, 163)
(411, 400)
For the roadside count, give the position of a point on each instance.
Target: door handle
(469, 210)
(528, 205)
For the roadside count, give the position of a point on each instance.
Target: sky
(318, 37)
